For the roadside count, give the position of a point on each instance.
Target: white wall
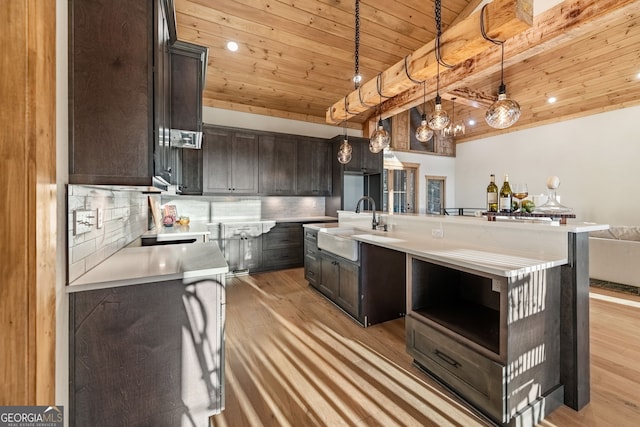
(432, 166)
(216, 116)
(596, 158)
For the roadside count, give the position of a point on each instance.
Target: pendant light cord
(344, 123)
(438, 13)
(357, 46)
(494, 41)
(424, 98)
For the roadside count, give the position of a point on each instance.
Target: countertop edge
(192, 262)
(404, 244)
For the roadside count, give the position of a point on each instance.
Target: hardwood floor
(294, 359)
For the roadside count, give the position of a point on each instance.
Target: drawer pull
(447, 359)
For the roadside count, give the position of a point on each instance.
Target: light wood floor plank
(294, 359)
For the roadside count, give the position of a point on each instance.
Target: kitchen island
(496, 311)
(146, 337)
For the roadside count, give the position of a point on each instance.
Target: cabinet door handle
(447, 359)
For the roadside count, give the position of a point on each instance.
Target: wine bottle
(492, 195)
(505, 195)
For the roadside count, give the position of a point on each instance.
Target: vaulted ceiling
(296, 58)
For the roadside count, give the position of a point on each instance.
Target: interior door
(435, 194)
(400, 188)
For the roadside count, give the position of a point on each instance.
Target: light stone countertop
(197, 229)
(306, 219)
(473, 243)
(189, 262)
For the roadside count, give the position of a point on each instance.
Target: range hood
(186, 139)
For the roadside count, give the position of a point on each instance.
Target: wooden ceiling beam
(503, 20)
(560, 24)
(469, 97)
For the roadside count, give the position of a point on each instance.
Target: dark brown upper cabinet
(119, 112)
(277, 164)
(313, 174)
(188, 70)
(230, 161)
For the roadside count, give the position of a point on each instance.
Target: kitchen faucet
(374, 222)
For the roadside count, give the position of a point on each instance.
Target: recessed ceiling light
(551, 99)
(471, 122)
(638, 76)
(232, 46)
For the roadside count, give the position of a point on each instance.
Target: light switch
(82, 221)
(100, 215)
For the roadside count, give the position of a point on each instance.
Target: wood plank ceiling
(296, 59)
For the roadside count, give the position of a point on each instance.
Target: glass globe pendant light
(454, 129)
(424, 132)
(505, 111)
(379, 138)
(439, 119)
(345, 150)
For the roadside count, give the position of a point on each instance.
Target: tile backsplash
(219, 208)
(126, 217)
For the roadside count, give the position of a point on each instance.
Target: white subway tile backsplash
(125, 219)
(217, 208)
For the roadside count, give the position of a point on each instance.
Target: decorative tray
(491, 216)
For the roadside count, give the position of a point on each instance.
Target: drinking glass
(519, 191)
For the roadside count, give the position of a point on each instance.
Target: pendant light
(424, 132)
(380, 137)
(345, 150)
(439, 119)
(454, 129)
(505, 111)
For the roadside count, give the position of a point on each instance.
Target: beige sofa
(614, 255)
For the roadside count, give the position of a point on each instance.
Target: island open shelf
(472, 321)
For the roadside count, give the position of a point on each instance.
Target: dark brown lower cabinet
(147, 355)
(311, 257)
(340, 282)
(282, 246)
(493, 340)
(372, 290)
(384, 286)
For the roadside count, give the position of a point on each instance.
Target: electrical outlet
(495, 286)
(437, 233)
(82, 221)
